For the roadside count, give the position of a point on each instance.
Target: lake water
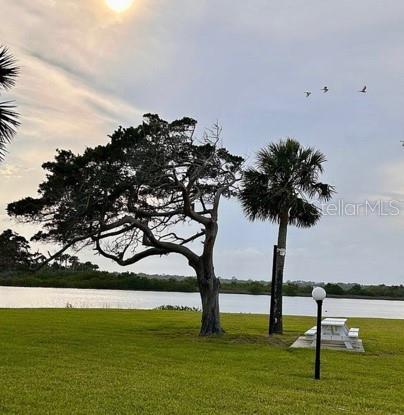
(20, 297)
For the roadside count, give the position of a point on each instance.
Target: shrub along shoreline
(143, 282)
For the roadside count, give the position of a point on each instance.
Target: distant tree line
(68, 278)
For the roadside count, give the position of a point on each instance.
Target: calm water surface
(20, 297)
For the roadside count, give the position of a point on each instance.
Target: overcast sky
(86, 70)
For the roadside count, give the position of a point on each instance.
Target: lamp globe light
(318, 294)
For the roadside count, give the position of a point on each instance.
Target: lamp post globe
(318, 294)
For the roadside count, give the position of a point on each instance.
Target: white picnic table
(335, 329)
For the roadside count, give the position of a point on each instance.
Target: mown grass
(153, 362)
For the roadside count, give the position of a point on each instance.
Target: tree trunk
(209, 285)
(209, 290)
(280, 263)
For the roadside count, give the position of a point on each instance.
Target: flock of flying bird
(326, 89)
(364, 90)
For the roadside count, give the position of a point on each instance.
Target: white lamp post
(318, 295)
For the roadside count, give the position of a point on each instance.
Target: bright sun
(119, 5)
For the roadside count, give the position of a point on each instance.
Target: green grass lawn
(153, 362)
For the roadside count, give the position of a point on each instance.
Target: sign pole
(271, 311)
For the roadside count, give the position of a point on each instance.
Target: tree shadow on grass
(279, 341)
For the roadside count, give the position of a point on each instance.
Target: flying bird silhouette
(308, 93)
(325, 89)
(364, 90)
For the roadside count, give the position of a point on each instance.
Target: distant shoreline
(347, 297)
(223, 291)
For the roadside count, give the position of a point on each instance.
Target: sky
(86, 69)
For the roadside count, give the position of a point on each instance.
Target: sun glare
(119, 5)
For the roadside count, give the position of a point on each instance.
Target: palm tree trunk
(280, 264)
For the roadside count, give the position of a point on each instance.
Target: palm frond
(304, 214)
(322, 191)
(8, 68)
(254, 188)
(8, 124)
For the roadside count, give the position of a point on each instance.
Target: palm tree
(280, 190)
(8, 117)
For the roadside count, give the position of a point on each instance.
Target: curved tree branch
(132, 260)
(150, 238)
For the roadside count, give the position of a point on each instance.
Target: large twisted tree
(280, 189)
(152, 191)
(8, 116)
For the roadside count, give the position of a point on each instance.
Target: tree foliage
(15, 252)
(285, 179)
(133, 190)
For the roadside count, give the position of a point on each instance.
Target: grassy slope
(149, 362)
